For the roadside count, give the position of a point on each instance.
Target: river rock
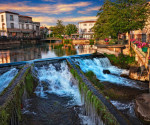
(124, 75)
(106, 71)
(142, 107)
(137, 74)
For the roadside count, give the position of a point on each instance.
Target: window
(3, 26)
(84, 24)
(84, 30)
(32, 27)
(37, 27)
(90, 24)
(22, 26)
(2, 18)
(90, 30)
(11, 18)
(27, 26)
(12, 25)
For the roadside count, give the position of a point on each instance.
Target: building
(44, 32)
(15, 25)
(85, 29)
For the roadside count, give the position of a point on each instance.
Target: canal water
(6, 78)
(117, 83)
(57, 98)
(40, 50)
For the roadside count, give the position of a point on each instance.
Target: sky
(49, 11)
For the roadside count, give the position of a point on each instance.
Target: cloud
(89, 10)
(50, 20)
(78, 19)
(43, 8)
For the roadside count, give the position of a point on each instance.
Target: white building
(15, 25)
(85, 29)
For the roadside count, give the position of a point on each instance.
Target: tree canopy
(120, 16)
(59, 29)
(70, 29)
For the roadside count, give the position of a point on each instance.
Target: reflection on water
(41, 50)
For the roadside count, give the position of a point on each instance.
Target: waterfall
(6, 78)
(97, 65)
(90, 109)
(56, 79)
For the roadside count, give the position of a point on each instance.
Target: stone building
(15, 25)
(85, 29)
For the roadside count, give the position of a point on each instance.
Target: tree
(121, 16)
(59, 29)
(70, 29)
(102, 27)
(132, 16)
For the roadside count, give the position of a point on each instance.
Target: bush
(122, 61)
(91, 42)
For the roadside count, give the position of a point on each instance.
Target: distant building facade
(15, 25)
(85, 29)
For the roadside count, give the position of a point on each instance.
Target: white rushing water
(129, 107)
(97, 65)
(6, 78)
(58, 82)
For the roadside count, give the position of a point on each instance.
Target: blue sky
(49, 11)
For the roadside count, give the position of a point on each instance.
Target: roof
(9, 12)
(25, 16)
(88, 22)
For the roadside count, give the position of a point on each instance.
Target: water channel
(40, 50)
(56, 99)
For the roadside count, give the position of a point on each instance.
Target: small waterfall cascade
(7, 77)
(56, 79)
(90, 109)
(98, 65)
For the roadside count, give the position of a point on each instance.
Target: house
(15, 25)
(85, 29)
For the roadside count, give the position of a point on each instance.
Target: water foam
(57, 80)
(97, 65)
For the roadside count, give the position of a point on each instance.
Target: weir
(58, 94)
(109, 106)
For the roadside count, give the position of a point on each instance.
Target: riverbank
(120, 91)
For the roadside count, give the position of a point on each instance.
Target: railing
(3, 38)
(144, 57)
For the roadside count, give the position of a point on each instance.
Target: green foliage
(4, 117)
(68, 41)
(59, 29)
(29, 83)
(58, 46)
(92, 77)
(122, 61)
(120, 16)
(70, 29)
(113, 41)
(91, 42)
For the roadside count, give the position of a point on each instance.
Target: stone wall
(86, 42)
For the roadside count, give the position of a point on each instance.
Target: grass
(122, 61)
